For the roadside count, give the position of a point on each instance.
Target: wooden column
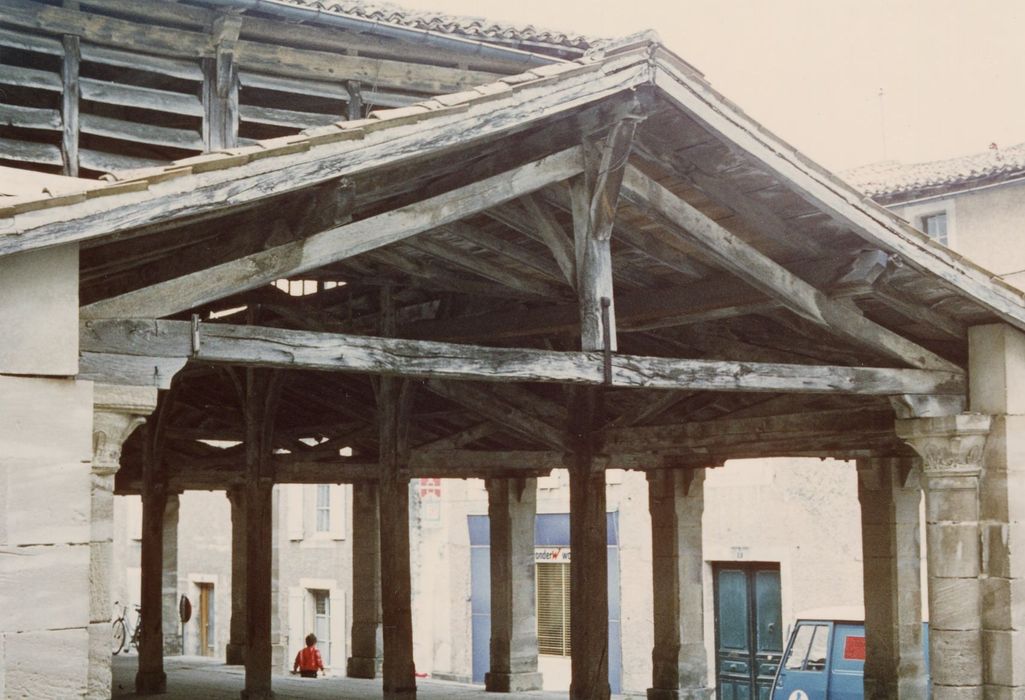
(890, 494)
(679, 657)
(951, 448)
(70, 104)
(398, 672)
(512, 505)
(234, 653)
(366, 649)
(150, 678)
(594, 196)
(259, 412)
(220, 87)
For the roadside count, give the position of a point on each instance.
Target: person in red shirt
(308, 661)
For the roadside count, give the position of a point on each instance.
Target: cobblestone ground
(198, 678)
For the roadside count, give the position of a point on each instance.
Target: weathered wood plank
(175, 68)
(763, 273)
(272, 347)
(104, 162)
(136, 132)
(105, 30)
(237, 186)
(30, 77)
(30, 117)
(334, 244)
(30, 152)
(146, 98)
(325, 65)
(31, 42)
(285, 117)
(322, 88)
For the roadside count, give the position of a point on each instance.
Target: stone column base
(499, 682)
(362, 667)
(99, 680)
(235, 654)
(681, 694)
(150, 682)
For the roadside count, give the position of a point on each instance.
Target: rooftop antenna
(882, 120)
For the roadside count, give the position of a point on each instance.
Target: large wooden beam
(730, 433)
(762, 272)
(277, 347)
(334, 244)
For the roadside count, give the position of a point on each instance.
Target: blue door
(749, 640)
(803, 671)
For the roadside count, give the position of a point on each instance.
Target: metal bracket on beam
(195, 335)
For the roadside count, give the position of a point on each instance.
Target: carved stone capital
(948, 445)
(117, 411)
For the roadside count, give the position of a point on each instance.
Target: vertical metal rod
(606, 340)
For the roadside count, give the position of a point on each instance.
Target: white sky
(952, 72)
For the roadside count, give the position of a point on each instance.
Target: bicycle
(124, 635)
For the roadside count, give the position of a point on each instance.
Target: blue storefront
(551, 530)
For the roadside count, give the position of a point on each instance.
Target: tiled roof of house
(892, 181)
(477, 28)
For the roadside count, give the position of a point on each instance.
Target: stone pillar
(679, 657)
(117, 411)
(512, 505)
(997, 388)
(589, 589)
(169, 579)
(951, 448)
(150, 678)
(890, 492)
(367, 643)
(259, 653)
(234, 653)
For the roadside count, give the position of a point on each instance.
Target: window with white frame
(315, 512)
(935, 226)
(323, 513)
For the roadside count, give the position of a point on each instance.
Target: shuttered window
(553, 586)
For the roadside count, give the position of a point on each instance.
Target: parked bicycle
(125, 634)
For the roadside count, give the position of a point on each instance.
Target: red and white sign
(551, 554)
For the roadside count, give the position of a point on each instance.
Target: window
(553, 619)
(322, 623)
(808, 652)
(323, 508)
(935, 226)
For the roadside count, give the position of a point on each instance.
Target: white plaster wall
(39, 312)
(45, 462)
(987, 226)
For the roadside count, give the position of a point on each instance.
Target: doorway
(748, 629)
(207, 638)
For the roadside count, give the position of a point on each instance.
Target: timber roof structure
(463, 241)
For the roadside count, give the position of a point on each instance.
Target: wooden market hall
(517, 251)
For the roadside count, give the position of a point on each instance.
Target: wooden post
(594, 196)
(355, 107)
(259, 414)
(366, 658)
(512, 504)
(70, 104)
(150, 679)
(398, 672)
(220, 87)
(235, 651)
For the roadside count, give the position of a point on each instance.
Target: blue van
(825, 657)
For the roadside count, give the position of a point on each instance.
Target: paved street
(195, 678)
